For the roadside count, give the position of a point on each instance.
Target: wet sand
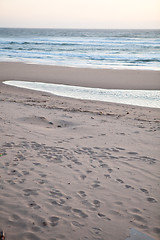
(85, 77)
(73, 169)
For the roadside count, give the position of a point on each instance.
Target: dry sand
(73, 169)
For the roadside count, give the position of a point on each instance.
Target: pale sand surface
(73, 169)
(102, 78)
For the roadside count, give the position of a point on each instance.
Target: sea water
(116, 49)
(122, 49)
(132, 97)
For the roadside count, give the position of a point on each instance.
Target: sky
(105, 14)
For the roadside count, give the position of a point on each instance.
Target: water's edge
(149, 98)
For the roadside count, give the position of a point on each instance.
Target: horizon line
(74, 28)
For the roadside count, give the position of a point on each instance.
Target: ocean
(115, 49)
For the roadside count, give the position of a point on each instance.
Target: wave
(82, 47)
(7, 48)
(146, 60)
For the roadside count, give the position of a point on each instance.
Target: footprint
(14, 172)
(139, 218)
(119, 148)
(82, 193)
(58, 203)
(76, 162)
(41, 181)
(56, 193)
(107, 176)
(96, 203)
(15, 217)
(135, 210)
(29, 192)
(54, 221)
(77, 224)
(34, 205)
(151, 200)
(69, 165)
(104, 165)
(22, 180)
(88, 171)
(128, 186)
(10, 182)
(119, 180)
(97, 231)
(115, 150)
(93, 166)
(7, 145)
(37, 164)
(83, 176)
(96, 184)
(144, 190)
(115, 213)
(132, 153)
(101, 215)
(20, 157)
(80, 213)
(25, 172)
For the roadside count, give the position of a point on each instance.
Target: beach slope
(73, 169)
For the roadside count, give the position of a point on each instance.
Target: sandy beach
(77, 169)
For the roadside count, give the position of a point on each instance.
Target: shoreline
(94, 94)
(76, 169)
(128, 68)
